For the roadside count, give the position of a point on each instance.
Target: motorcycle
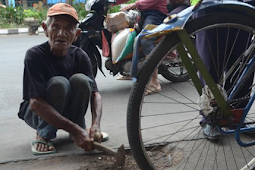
(94, 33)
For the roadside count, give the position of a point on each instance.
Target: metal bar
(225, 108)
(190, 68)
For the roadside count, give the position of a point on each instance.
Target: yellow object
(169, 17)
(194, 2)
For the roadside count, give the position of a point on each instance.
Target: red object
(236, 114)
(105, 46)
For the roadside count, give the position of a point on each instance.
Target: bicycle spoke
(232, 152)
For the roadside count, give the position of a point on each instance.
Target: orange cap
(62, 8)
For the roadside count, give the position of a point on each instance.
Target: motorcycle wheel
(173, 70)
(92, 54)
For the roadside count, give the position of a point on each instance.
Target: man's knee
(81, 81)
(58, 86)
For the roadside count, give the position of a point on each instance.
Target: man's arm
(96, 111)
(40, 107)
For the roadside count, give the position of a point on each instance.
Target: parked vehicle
(94, 33)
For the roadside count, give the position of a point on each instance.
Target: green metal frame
(190, 47)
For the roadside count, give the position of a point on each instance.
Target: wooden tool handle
(105, 149)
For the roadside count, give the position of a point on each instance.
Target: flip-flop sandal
(124, 78)
(151, 90)
(36, 152)
(105, 136)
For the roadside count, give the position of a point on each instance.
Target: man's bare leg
(154, 80)
(154, 85)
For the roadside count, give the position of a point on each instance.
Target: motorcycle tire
(173, 71)
(92, 54)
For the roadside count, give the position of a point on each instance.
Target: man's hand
(128, 7)
(82, 139)
(94, 130)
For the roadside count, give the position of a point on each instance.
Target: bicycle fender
(177, 22)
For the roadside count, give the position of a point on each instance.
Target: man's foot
(153, 86)
(42, 146)
(152, 89)
(211, 132)
(171, 57)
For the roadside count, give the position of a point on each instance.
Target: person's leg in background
(155, 18)
(151, 17)
(213, 43)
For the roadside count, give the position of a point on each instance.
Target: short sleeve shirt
(41, 65)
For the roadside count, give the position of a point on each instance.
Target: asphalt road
(16, 136)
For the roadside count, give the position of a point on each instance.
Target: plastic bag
(133, 17)
(204, 101)
(122, 45)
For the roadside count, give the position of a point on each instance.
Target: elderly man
(58, 84)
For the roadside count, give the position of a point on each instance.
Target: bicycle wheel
(164, 130)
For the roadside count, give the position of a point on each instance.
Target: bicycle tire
(141, 108)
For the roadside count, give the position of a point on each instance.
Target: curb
(12, 31)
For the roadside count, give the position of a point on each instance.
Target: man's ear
(45, 28)
(78, 33)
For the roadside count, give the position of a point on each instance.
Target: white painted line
(23, 30)
(4, 31)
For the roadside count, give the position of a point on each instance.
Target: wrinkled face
(62, 32)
